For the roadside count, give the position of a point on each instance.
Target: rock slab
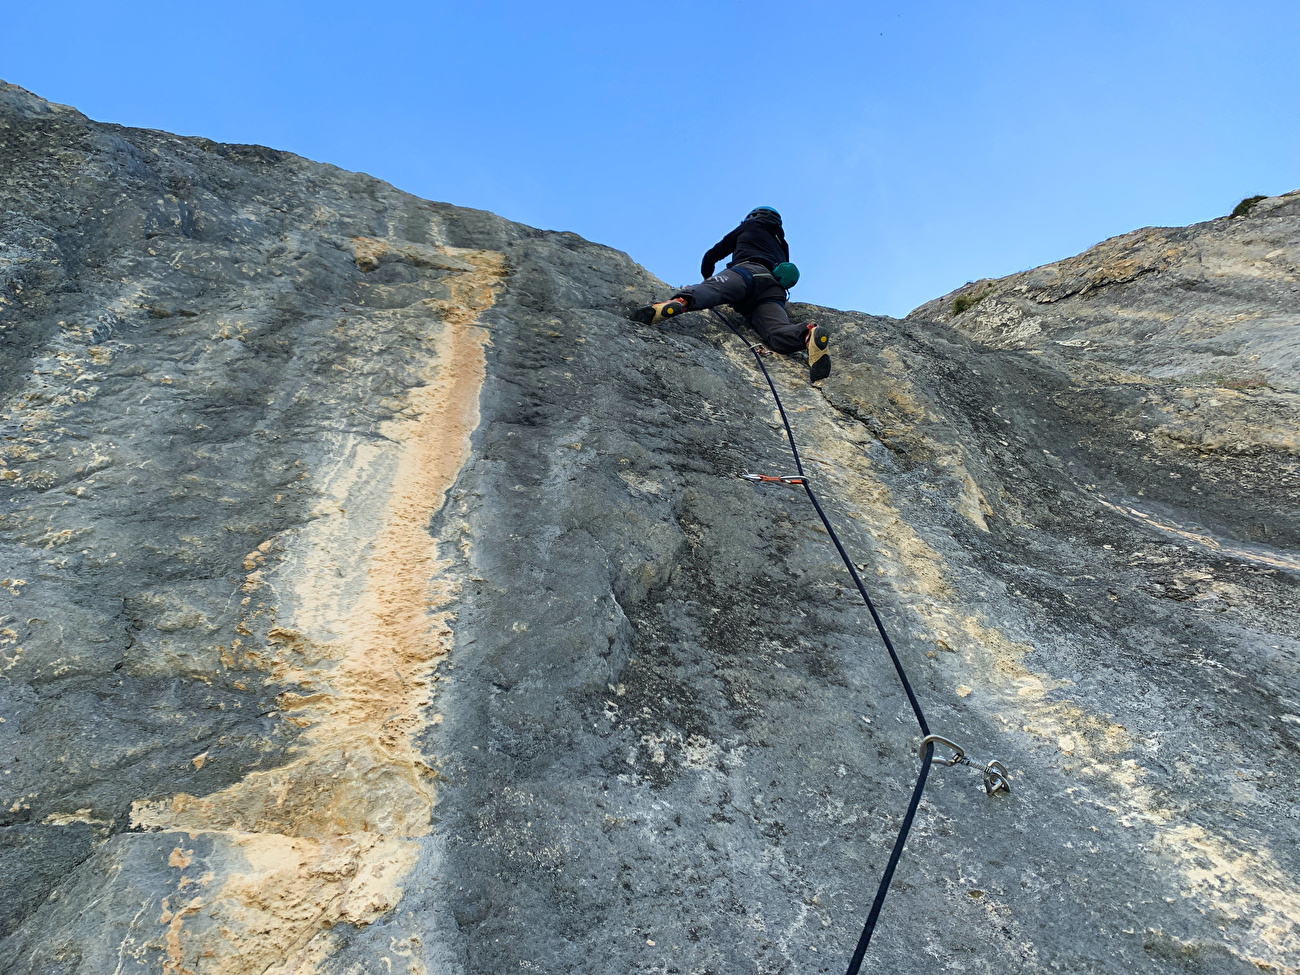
(374, 594)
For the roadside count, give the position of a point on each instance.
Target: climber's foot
(819, 360)
(660, 310)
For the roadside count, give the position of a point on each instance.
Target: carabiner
(940, 740)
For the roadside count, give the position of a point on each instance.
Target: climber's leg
(774, 327)
(722, 288)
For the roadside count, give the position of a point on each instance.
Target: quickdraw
(996, 777)
(779, 479)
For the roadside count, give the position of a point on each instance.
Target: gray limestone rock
(373, 594)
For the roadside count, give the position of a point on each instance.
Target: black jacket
(751, 241)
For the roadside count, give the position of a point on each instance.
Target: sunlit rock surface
(374, 597)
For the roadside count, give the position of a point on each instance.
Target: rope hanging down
(995, 770)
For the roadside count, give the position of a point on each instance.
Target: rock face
(375, 595)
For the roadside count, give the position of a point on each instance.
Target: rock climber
(755, 283)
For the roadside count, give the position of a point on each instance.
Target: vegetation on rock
(970, 299)
(1243, 208)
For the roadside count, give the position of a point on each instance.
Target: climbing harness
(756, 282)
(996, 778)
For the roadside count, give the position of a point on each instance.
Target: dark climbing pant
(765, 308)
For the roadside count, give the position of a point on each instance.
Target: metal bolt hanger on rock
(996, 777)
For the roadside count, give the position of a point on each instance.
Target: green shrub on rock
(1245, 206)
(969, 300)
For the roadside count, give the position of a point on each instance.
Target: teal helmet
(786, 274)
(764, 215)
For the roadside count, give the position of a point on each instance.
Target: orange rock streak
(327, 837)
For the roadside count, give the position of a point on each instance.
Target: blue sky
(911, 147)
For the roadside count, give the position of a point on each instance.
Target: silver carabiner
(940, 740)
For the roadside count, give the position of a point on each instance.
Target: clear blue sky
(911, 146)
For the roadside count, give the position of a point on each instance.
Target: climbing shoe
(656, 313)
(819, 360)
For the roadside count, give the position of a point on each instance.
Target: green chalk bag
(786, 274)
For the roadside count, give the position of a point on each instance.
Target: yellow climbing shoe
(819, 360)
(656, 313)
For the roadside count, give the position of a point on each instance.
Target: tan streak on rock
(326, 838)
(906, 417)
(1244, 884)
(1276, 559)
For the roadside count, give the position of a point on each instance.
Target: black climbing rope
(927, 750)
